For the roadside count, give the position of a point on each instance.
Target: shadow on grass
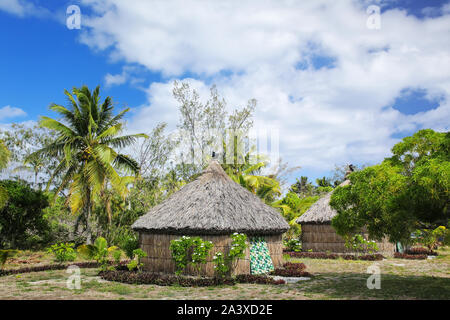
(354, 286)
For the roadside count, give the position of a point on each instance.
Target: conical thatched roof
(212, 204)
(320, 211)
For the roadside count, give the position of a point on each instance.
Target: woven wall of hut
(323, 238)
(159, 258)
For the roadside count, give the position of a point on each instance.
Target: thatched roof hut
(320, 212)
(319, 236)
(212, 207)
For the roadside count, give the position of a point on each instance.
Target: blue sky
(336, 91)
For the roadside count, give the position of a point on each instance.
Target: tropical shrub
(117, 256)
(292, 245)
(128, 244)
(61, 222)
(359, 244)
(220, 266)
(22, 216)
(223, 264)
(63, 252)
(431, 237)
(189, 250)
(136, 264)
(238, 246)
(99, 251)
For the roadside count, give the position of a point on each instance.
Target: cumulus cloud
(9, 112)
(276, 51)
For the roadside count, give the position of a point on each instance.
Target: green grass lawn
(334, 279)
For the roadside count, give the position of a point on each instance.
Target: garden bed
(160, 279)
(290, 269)
(324, 255)
(421, 251)
(399, 255)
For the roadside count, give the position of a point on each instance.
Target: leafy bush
(128, 244)
(189, 250)
(293, 245)
(98, 251)
(431, 237)
(220, 266)
(223, 264)
(61, 221)
(117, 256)
(22, 216)
(63, 252)
(359, 244)
(136, 264)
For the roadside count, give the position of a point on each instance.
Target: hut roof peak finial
(350, 169)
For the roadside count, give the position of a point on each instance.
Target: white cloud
(117, 79)
(8, 112)
(127, 75)
(251, 49)
(22, 8)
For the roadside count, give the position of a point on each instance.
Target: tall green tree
(4, 159)
(88, 138)
(4, 155)
(22, 223)
(22, 141)
(406, 192)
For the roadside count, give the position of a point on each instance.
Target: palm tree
(87, 136)
(33, 164)
(266, 188)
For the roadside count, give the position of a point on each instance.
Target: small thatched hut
(319, 236)
(212, 207)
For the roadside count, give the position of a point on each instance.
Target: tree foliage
(407, 191)
(22, 141)
(22, 222)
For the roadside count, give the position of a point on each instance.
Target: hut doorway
(260, 259)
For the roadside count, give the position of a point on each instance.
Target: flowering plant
(187, 250)
(224, 263)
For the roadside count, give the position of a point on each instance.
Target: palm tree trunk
(88, 215)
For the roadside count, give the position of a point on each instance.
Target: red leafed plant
(290, 269)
